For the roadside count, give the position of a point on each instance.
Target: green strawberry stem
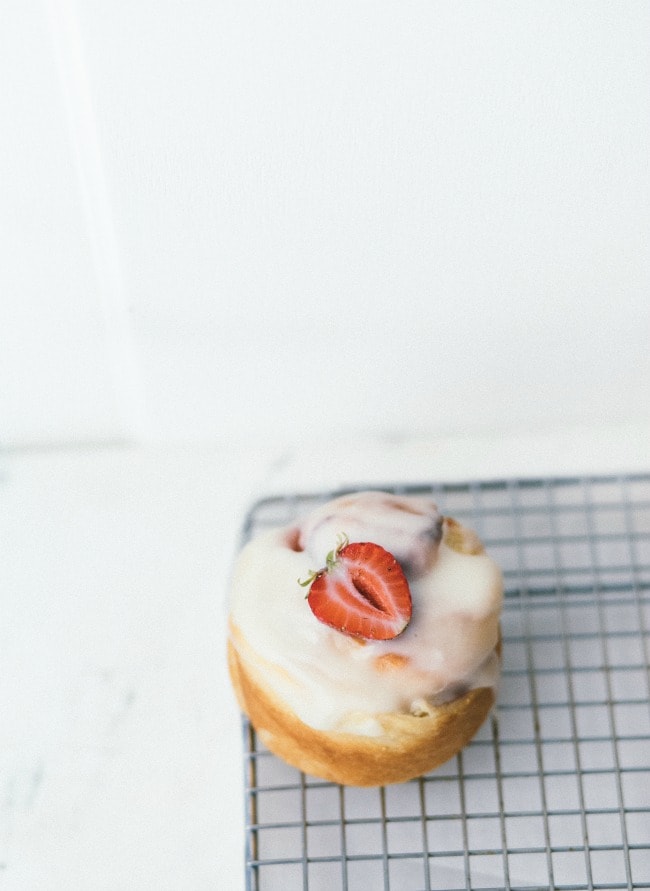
(342, 541)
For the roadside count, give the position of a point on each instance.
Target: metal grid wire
(554, 791)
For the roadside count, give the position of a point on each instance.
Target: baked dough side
(408, 747)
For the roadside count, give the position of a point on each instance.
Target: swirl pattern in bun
(332, 698)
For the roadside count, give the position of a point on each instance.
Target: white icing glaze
(409, 528)
(334, 681)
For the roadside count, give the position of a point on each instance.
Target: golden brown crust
(409, 746)
(460, 538)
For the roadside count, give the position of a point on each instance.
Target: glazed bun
(333, 699)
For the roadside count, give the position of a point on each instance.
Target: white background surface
(220, 219)
(251, 247)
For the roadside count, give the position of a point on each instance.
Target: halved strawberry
(361, 591)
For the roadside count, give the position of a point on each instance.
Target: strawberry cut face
(362, 591)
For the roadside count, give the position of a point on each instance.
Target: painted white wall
(244, 221)
(56, 379)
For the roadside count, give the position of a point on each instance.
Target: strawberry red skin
(364, 593)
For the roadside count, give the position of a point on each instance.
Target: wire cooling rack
(554, 791)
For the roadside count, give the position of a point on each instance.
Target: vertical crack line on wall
(126, 372)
